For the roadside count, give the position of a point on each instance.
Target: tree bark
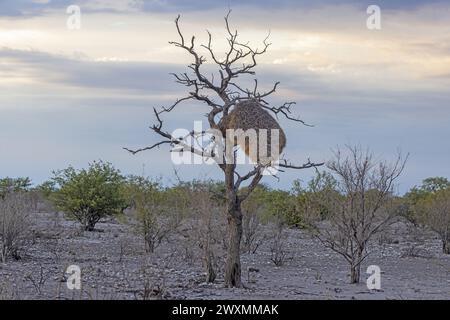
(89, 220)
(355, 273)
(234, 217)
(90, 226)
(233, 263)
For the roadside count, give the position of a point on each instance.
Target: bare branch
(147, 148)
(308, 165)
(169, 139)
(253, 184)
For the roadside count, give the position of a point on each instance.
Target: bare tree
(221, 92)
(14, 224)
(360, 208)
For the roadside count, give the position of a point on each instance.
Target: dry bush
(153, 274)
(204, 232)
(14, 224)
(253, 237)
(208, 233)
(159, 212)
(38, 279)
(252, 208)
(362, 206)
(279, 254)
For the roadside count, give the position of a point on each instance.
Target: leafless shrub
(151, 289)
(14, 224)
(360, 206)
(279, 254)
(151, 283)
(157, 211)
(155, 230)
(251, 226)
(38, 279)
(208, 231)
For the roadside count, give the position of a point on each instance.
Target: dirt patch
(114, 265)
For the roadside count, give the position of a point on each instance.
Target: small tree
(90, 194)
(419, 197)
(360, 207)
(14, 224)
(158, 213)
(434, 211)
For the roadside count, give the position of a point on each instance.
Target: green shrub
(418, 195)
(429, 204)
(281, 206)
(271, 205)
(8, 185)
(90, 194)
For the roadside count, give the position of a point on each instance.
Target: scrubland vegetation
(349, 208)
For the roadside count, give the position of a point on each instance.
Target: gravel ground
(114, 265)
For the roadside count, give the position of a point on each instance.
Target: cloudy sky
(74, 96)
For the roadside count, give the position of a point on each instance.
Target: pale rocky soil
(115, 266)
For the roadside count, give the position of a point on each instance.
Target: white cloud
(91, 91)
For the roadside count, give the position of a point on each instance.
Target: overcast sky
(74, 96)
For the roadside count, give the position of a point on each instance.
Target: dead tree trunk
(234, 217)
(233, 263)
(230, 93)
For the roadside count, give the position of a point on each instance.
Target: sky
(69, 97)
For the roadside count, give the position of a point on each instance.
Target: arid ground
(115, 266)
